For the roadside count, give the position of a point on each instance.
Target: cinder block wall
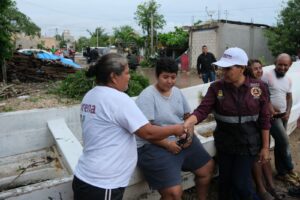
(200, 38)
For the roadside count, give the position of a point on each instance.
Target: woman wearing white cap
(240, 107)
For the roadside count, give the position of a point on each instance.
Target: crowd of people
(156, 132)
(63, 52)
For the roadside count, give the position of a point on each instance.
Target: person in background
(205, 68)
(133, 61)
(110, 119)
(72, 53)
(280, 87)
(65, 52)
(262, 172)
(241, 109)
(162, 161)
(94, 55)
(58, 52)
(53, 49)
(184, 62)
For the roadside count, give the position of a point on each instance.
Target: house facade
(218, 36)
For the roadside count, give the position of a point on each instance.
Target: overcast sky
(80, 15)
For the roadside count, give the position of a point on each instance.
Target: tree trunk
(4, 75)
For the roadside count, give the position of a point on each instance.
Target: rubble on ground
(33, 67)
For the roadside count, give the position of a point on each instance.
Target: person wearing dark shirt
(205, 68)
(133, 61)
(94, 55)
(240, 106)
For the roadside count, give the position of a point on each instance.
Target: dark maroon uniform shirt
(241, 113)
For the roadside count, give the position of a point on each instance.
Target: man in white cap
(241, 109)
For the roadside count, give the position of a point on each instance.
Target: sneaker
(277, 193)
(294, 175)
(265, 196)
(287, 179)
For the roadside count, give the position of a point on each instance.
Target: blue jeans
(235, 178)
(209, 75)
(282, 151)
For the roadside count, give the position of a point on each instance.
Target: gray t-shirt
(162, 110)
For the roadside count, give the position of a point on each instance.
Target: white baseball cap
(233, 56)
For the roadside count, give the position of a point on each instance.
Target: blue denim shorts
(162, 169)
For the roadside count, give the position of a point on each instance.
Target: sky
(78, 16)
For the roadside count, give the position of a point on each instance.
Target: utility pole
(209, 13)
(151, 34)
(4, 73)
(97, 37)
(226, 15)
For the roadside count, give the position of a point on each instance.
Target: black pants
(235, 178)
(85, 191)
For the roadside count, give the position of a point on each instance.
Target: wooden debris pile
(27, 68)
(7, 91)
(18, 89)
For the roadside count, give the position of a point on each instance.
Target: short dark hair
(204, 46)
(165, 65)
(107, 64)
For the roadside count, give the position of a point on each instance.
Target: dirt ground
(36, 95)
(28, 96)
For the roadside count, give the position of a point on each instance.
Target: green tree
(41, 45)
(175, 39)
(82, 42)
(144, 14)
(285, 36)
(126, 37)
(12, 21)
(198, 22)
(99, 37)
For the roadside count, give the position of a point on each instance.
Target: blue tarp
(65, 61)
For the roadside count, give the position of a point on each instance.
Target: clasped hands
(183, 141)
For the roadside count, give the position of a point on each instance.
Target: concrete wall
(25, 131)
(249, 38)
(50, 41)
(27, 41)
(200, 38)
